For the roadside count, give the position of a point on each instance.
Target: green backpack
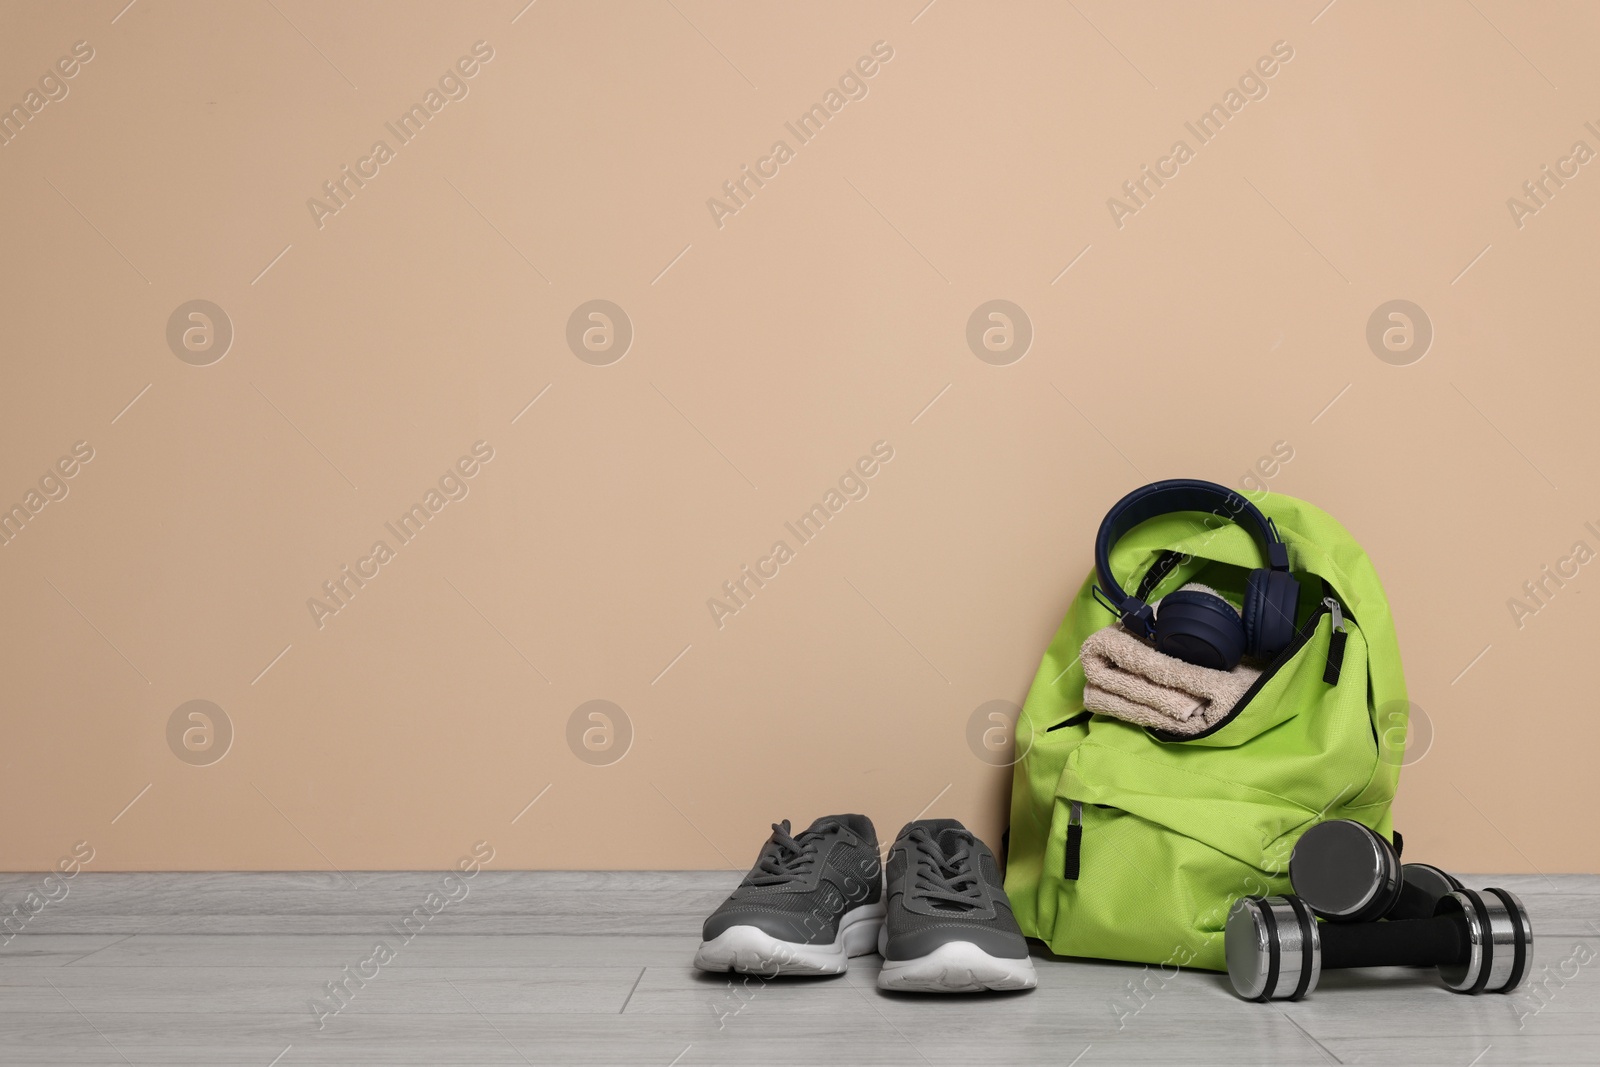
(1128, 847)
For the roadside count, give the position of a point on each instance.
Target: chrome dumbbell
(1277, 950)
(1346, 872)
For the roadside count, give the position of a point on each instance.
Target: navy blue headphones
(1195, 626)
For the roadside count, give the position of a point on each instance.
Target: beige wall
(772, 347)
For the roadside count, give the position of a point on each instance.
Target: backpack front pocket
(1143, 891)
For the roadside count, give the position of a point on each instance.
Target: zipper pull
(1336, 640)
(1074, 846)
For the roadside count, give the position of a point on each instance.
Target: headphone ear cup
(1271, 602)
(1200, 628)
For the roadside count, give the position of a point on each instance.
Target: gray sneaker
(949, 927)
(811, 902)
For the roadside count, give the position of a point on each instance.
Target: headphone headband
(1164, 498)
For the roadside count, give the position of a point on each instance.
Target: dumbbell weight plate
(1273, 948)
(1425, 885)
(1345, 871)
(1522, 939)
(1499, 940)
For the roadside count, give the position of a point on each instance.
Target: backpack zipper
(1336, 640)
(1072, 854)
(1076, 720)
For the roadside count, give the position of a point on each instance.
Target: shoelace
(943, 879)
(785, 858)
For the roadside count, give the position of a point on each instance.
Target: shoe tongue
(954, 838)
(948, 834)
(859, 825)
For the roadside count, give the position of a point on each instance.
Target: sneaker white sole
(751, 951)
(957, 967)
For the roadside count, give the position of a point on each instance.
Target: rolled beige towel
(1127, 679)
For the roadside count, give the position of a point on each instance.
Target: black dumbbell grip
(1397, 943)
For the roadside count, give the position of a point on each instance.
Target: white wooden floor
(581, 968)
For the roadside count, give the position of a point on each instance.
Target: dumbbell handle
(1396, 943)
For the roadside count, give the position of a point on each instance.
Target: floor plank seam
(632, 989)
